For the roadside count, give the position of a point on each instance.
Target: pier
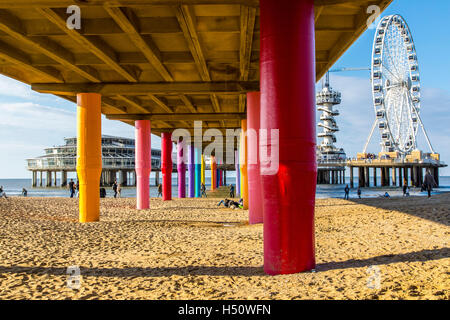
(118, 164)
(394, 170)
(331, 172)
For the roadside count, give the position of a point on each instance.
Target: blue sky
(29, 121)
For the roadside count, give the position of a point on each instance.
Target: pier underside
(170, 63)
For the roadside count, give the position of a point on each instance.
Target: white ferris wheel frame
(395, 81)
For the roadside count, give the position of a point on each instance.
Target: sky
(30, 121)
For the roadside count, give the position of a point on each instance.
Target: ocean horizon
(13, 187)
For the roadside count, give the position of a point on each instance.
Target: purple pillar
(238, 173)
(181, 168)
(191, 170)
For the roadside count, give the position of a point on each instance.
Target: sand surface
(190, 249)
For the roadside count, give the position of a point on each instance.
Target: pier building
(118, 162)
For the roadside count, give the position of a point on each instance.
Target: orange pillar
(213, 173)
(89, 154)
(243, 164)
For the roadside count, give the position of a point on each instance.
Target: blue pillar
(238, 174)
(198, 172)
(191, 170)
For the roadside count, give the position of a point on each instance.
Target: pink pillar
(166, 165)
(287, 69)
(181, 168)
(143, 162)
(255, 199)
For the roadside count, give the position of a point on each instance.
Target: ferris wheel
(396, 86)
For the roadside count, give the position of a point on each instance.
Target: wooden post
(394, 176)
(374, 176)
(405, 175)
(352, 185)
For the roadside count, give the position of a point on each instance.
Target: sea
(13, 187)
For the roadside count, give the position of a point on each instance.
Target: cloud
(31, 116)
(13, 88)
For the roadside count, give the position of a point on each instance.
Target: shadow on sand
(424, 255)
(436, 208)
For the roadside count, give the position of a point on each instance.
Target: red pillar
(166, 165)
(143, 162)
(287, 103)
(255, 199)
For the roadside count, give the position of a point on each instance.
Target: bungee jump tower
(160, 65)
(331, 160)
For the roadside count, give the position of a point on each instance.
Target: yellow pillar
(89, 155)
(243, 163)
(203, 170)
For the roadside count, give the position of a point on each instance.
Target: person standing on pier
(71, 188)
(429, 183)
(347, 191)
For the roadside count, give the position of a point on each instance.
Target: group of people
(3, 193)
(347, 192)
(202, 190)
(428, 184)
(117, 189)
(73, 188)
(227, 203)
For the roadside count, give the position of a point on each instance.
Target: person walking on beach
(347, 191)
(2, 193)
(71, 188)
(114, 187)
(231, 191)
(203, 188)
(159, 190)
(359, 192)
(78, 188)
(119, 190)
(405, 187)
(429, 183)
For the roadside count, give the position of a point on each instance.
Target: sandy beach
(191, 249)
